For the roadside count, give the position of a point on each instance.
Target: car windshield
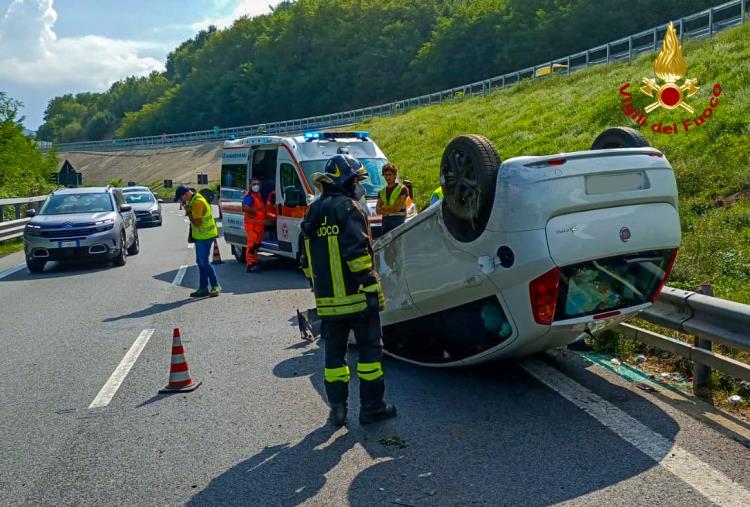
(138, 197)
(372, 184)
(77, 203)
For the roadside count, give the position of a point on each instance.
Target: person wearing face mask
(392, 199)
(254, 210)
(338, 261)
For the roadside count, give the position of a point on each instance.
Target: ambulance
(285, 166)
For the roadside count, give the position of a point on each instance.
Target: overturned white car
(528, 254)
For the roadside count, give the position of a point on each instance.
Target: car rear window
(138, 197)
(610, 284)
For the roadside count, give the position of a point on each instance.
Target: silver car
(145, 204)
(77, 223)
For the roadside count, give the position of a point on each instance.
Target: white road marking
(180, 275)
(12, 270)
(191, 245)
(711, 483)
(113, 384)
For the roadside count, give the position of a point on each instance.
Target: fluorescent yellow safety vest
(207, 229)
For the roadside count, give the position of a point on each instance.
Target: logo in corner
(625, 234)
(670, 68)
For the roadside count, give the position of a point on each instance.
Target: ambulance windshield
(372, 185)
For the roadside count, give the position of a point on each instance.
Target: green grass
(566, 113)
(10, 246)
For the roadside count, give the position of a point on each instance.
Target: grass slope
(561, 113)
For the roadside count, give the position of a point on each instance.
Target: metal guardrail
(701, 24)
(709, 319)
(14, 228)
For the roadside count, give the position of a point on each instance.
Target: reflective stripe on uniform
(337, 273)
(308, 270)
(346, 300)
(336, 374)
(370, 371)
(375, 287)
(360, 263)
(336, 311)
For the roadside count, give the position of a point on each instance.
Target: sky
(53, 47)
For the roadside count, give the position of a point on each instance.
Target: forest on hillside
(24, 170)
(312, 57)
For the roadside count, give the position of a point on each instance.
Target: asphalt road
(551, 429)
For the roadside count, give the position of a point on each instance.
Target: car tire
(468, 175)
(35, 266)
(121, 258)
(136, 246)
(619, 137)
(158, 224)
(239, 254)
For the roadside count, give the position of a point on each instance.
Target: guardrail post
(630, 48)
(587, 58)
(682, 29)
(567, 68)
(701, 372)
(607, 52)
(2, 213)
(710, 22)
(655, 40)
(18, 211)
(742, 11)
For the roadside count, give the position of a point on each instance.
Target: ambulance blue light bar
(362, 135)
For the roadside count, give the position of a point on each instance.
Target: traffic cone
(179, 372)
(217, 256)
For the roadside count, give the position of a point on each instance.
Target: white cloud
(242, 8)
(32, 54)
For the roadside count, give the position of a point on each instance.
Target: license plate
(67, 244)
(609, 183)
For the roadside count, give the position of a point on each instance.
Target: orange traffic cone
(217, 256)
(179, 372)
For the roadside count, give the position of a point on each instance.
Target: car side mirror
(410, 187)
(30, 213)
(125, 207)
(160, 200)
(292, 197)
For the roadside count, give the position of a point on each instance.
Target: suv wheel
(619, 137)
(136, 246)
(120, 260)
(35, 266)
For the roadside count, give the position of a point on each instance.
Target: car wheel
(239, 254)
(136, 246)
(35, 266)
(158, 224)
(619, 137)
(120, 260)
(468, 174)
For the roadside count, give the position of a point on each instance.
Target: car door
(128, 218)
(291, 210)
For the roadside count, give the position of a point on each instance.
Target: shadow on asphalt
(276, 274)
(488, 435)
(57, 269)
(154, 309)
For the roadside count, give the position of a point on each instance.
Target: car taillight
(667, 272)
(556, 161)
(543, 293)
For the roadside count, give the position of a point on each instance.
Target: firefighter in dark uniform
(348, 295)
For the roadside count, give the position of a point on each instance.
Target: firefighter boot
(337, 416)
(369, 415)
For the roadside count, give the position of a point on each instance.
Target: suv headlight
(33, 230)
(105, 225)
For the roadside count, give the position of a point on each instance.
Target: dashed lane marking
(115, 380)
(12, 270)
(714, 485)
(180, 275)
